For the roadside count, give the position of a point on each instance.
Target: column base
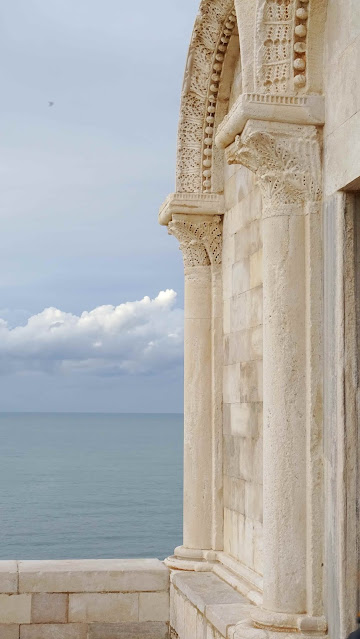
(193, 559)
(286, 622)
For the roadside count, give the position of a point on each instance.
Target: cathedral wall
(242, 393)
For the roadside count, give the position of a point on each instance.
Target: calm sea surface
(90, 485)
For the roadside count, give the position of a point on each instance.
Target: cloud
(141, 337)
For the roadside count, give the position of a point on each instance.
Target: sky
(91, 286)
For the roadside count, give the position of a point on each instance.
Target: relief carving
(281, 43)
(285, 159)
(200, 240)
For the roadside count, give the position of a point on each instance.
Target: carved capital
(200, 239)
(285, 159)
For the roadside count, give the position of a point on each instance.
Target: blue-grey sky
(81, 183)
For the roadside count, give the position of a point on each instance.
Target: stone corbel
(286, 160)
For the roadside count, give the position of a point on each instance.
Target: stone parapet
(81, 599)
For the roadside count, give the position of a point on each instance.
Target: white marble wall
(242, 389)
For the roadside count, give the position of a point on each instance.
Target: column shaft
(284, 414)
(197, 408)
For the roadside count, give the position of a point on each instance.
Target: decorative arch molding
(214, 25)
(282, 61)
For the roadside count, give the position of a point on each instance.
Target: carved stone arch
(214, 26)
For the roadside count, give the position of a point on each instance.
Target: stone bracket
(289, 109)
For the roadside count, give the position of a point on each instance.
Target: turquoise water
(90, 485)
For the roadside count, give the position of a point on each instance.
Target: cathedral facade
(266, 212)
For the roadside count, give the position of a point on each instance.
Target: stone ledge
(204, 590)
(93, 575)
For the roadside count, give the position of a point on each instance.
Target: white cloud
(145, 337)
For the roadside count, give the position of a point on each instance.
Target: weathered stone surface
(8, 577)
(49, 608)
(15, 608)
(109, 607)
(54, 631)
(222, 616)
(9, 631)
(93, 575)
(203, 589)
(142, 630)
(154, 606)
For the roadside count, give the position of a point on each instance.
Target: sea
(78, 486)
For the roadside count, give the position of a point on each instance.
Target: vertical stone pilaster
(286, 160)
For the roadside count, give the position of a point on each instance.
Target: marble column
(286, 160)
(200, 242)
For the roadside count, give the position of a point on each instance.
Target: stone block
(256, 269)
(54, 631)
(248, 549)
(227, 316)
(254, 501)
(139, 630)
(227, 282)
(228, 249)
(234, 494)
(49, 608)
(154, 606)
(9, 631)
(8, 577)
(251, 381)
(173, 619)
(246, 467)
(210, 632)
(180, 613)
(256, 342)
(109, 607)
(247, 240)
(93, 575)
(190, 621)
(15, 609)
(245, 419)
(247, 310)
(231, 383)
(200, 626)
(258, 547)
(240, 276)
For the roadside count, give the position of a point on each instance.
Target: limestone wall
(242, 391)
(86, 599)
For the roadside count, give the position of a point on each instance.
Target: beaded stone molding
(212, 31)
(281, 43)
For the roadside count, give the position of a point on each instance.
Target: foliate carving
(281, 43)
(213, 28)
(285, 158)
(200, 240)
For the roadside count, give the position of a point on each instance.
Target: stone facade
(266, 212)
(269, 142)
